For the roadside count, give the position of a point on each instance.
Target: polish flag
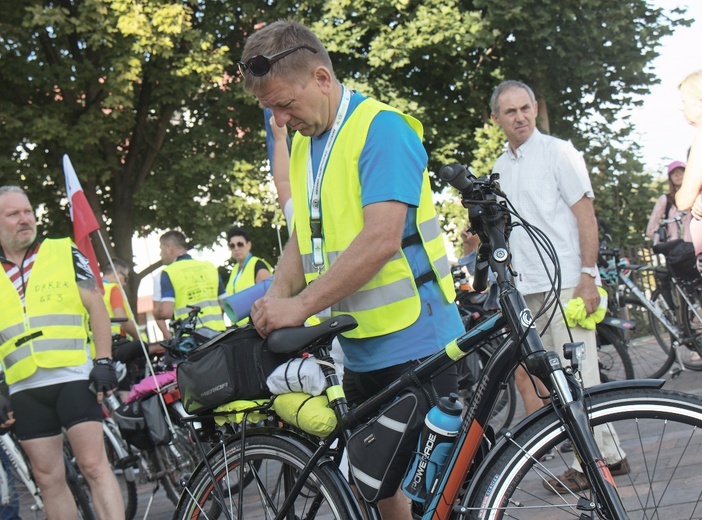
(83, 218)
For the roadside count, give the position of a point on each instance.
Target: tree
(146, 100)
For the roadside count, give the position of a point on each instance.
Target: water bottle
(440, 429)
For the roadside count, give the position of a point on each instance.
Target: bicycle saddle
(292, 340)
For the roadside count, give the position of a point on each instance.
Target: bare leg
(397, 507)
(46, 457)
(532, 402)
(88, 446)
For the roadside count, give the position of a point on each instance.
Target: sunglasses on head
(233, 245)
(260, 65)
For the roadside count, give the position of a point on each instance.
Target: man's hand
(103, 378)
(269, 314)
(587, 290)
(7, 416)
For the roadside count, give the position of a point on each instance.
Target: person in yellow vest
(186, 281)
(248, 269)
(115, 299)
(126, 345)
(49, 299)
(365, 228)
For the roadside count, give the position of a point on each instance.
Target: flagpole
(84, 223)
(144, 348)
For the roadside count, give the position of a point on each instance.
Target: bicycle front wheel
(271, 464)
(660, 441)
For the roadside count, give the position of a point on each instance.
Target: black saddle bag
(232, 366)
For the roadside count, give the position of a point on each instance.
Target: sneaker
(575, 481)
(566, 447)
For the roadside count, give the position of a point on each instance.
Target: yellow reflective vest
(51, 331)
(247, 278)
(115, 328)
(196, 282)
(389, 301)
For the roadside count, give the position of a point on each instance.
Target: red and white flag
(82, 216)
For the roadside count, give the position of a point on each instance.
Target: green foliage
(145, 98)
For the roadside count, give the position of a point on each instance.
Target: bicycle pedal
(674, 373)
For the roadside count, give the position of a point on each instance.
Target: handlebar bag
(680, 258)
(232, 366)
(381, 450)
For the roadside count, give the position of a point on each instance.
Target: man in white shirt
(547, 182)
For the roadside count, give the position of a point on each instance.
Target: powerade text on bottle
(440, 428)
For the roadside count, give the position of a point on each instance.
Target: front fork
(568, 401)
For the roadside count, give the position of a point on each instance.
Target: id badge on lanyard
(314, 187)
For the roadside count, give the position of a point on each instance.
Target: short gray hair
(276, 37)
(12, 189)
(507, 85)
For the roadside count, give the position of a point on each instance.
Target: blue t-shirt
(391, 168)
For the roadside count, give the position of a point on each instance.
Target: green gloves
(576, 314)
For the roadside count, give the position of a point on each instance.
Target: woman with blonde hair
(688, 197)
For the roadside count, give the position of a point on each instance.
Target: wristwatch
(591, 271)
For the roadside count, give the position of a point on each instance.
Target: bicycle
(669, 315)
(295, 474)
(19, 490)
(167, 457)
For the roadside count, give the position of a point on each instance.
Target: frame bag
(381, 450)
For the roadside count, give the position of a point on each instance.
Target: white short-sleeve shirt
(543, 180)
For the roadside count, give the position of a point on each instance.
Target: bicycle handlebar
(489, 218)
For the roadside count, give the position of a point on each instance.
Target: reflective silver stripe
(209, 318)
(10, 332)
(369, 481)
(307, 264)
(42, 345)
(442, 266)
(49, 320)
(377, 297)
(392, 424)
(430, 229)
(204, 305)
(16, 355)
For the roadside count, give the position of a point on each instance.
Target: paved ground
(161, 508)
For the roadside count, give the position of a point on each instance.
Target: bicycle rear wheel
(660, 436)
(613, 355)
(691, 355)
(274, 462)
(122, 467)
(650, 343)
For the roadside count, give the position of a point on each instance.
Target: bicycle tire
(661, 432)
(651, 359)
(79, 490)
(126, 480)
(176, 469)
(613, 356)
(19, 498)
(280, 459)
(693, 331)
